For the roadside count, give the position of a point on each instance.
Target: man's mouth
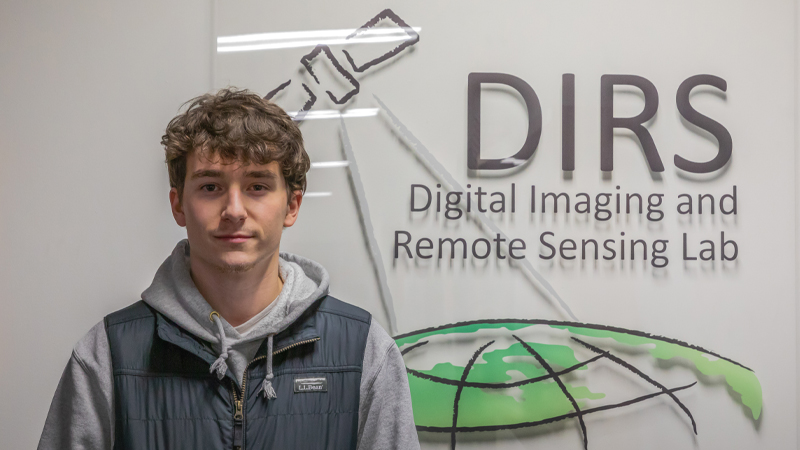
(234, 238)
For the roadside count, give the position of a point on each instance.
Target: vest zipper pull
(238, 414)
(238, 417)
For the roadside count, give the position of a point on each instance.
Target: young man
(234, 345)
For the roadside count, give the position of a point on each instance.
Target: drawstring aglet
(266, 386)
(219, 366)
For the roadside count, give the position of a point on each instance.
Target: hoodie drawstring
(220, 366)
(266, 385)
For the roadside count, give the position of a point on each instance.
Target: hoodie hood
(174, 295)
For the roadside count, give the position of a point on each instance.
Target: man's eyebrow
(207, 174)
(261, 174)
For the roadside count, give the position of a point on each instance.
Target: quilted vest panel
(165, 398)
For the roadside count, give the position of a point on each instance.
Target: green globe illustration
(511, 373)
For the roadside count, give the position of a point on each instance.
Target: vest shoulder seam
(130, 319)
(135, 311)
(343, 314)
(333, 305)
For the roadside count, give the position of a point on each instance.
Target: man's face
(234, 214)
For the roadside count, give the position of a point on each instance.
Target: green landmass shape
(741, 380)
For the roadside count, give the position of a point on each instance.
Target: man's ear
(177, 208)
(295, 199)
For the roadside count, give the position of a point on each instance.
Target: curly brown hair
(238, 126)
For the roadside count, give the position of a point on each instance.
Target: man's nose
(234, 208)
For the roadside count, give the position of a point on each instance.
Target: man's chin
(235, 265)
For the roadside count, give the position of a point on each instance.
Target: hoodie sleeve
(385, 418)
(81, 415)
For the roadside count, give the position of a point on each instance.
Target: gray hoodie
(82, 412)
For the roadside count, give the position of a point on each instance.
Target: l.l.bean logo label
(318, 384)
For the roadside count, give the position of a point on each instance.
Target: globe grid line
(560, 383)
(642, 375)
(461, 388)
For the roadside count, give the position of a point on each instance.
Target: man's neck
(238, 297)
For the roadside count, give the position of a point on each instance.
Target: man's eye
(208, 187)
(260, 187)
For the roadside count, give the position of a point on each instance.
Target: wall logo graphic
(492, 375)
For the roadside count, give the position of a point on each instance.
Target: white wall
(86, 90)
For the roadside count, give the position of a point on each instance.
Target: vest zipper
(238, 428)
(238, 397)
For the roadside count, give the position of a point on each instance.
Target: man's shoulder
(378, 340)
(129, 332)
(340, 323)
(332, 305)
(95, 341)
(136, 311)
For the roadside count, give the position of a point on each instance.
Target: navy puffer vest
(165, 397)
